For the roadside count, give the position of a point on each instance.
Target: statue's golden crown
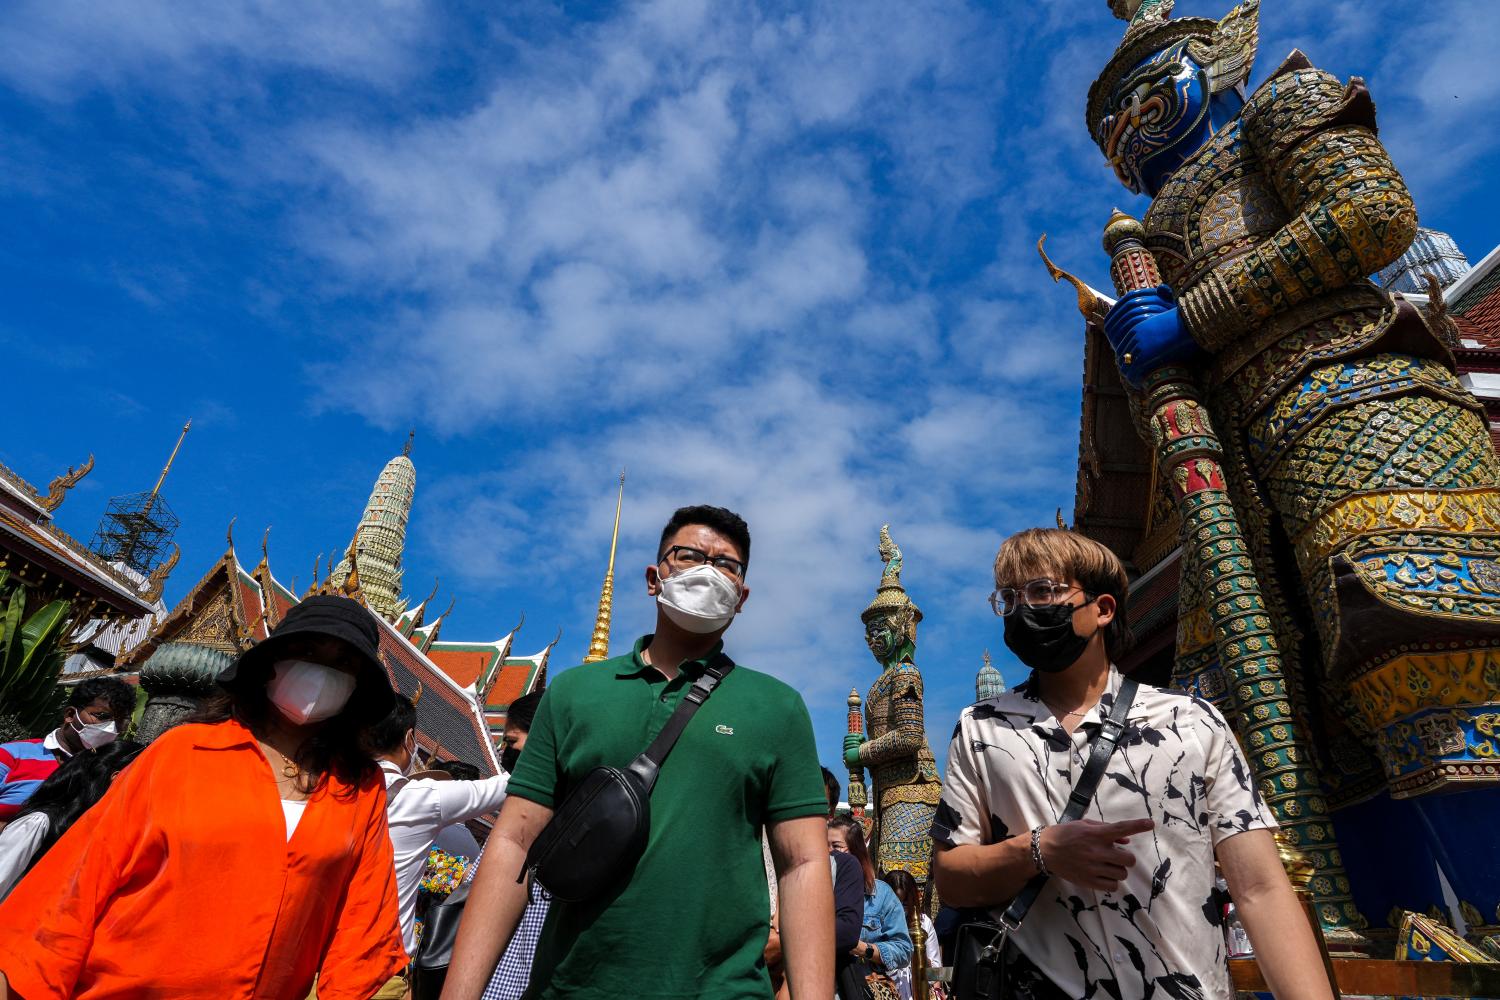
(891, 600)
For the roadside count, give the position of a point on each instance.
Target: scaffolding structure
(137, 528)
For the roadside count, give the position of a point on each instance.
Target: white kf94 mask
(308, 692)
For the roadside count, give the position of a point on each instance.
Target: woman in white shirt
(66, 795)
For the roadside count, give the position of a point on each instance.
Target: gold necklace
(288, 768)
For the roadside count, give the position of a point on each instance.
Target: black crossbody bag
(978, 967)
(599, 832)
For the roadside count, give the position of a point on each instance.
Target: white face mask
(308, 692)
(411, 761)
(95, 734)
(700, 599)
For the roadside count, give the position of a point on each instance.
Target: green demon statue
(1361, 470)
(904, 778)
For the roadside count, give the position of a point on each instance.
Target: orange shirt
(181, 883)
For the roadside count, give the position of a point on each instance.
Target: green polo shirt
(693, 919)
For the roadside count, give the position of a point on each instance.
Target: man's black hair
(725, 522)
(387, 735)
(119, 695)
(523, 710)
(829, 781)
(460, 770)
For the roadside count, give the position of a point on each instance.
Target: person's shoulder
(585, 677)
(23, 749)
(25, 827)
(764, 685)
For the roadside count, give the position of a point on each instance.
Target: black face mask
(508, 758)
(1043, 638)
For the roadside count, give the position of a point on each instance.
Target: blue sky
(776, 257)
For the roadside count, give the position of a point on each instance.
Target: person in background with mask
(417, 809)
(66, 795)
(513, 974)
(239, 855)
(693, 917)
(98, 711)
(1130, 907)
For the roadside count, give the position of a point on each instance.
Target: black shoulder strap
(1083, 794)
(648, 764)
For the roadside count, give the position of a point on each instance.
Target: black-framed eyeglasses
(686, 555)
(1033, 594)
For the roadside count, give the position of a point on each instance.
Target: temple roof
(519, 675)
(39, 549)
(232, 608)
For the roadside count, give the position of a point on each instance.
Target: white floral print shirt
(1011, 767)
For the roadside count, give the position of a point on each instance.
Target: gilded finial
(854, 700)
(410, 435)
(416, 695)
(1122, 227)
(599, 641)
(171, 458)
(265, 543)
(157, 581)
(229, 532)
(1060, 522)
(1088, 302)
(59, 487)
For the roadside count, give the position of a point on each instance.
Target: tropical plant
(31, 657)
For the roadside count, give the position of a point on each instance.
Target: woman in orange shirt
(239, 858)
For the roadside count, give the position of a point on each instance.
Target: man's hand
(852, 744)
(1146, 327)
(1087, 852)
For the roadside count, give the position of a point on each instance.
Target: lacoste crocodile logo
(724, 730)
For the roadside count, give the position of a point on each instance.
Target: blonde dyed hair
(1060, 554)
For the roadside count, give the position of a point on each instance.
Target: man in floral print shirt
(1130, 909)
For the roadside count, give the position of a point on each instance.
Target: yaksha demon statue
(1361, 471)
(904, 778)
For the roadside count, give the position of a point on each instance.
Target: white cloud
(58, 48)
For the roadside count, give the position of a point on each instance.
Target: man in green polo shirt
(692, 919)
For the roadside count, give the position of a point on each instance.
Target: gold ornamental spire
(171, 458)
(599, 642)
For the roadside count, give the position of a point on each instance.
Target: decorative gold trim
(1469, 511)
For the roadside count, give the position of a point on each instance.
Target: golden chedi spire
(599, 641)
(380, 537)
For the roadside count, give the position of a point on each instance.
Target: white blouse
(18, 844)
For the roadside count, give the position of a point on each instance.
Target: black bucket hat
(329, 616)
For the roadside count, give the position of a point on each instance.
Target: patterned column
(857, 799)
(1190, 457)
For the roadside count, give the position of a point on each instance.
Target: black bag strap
(1082, 795)
(647, 765)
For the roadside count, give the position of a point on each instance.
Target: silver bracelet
(1036, 851)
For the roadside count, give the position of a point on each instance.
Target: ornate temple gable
(213, 613)
(517, 675)
(471, 665)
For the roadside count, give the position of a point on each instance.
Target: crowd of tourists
(275, 845)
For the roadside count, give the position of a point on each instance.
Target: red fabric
(15, 769)
(181, 883)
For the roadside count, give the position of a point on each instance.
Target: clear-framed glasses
(687, 557)
(1033, 593)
